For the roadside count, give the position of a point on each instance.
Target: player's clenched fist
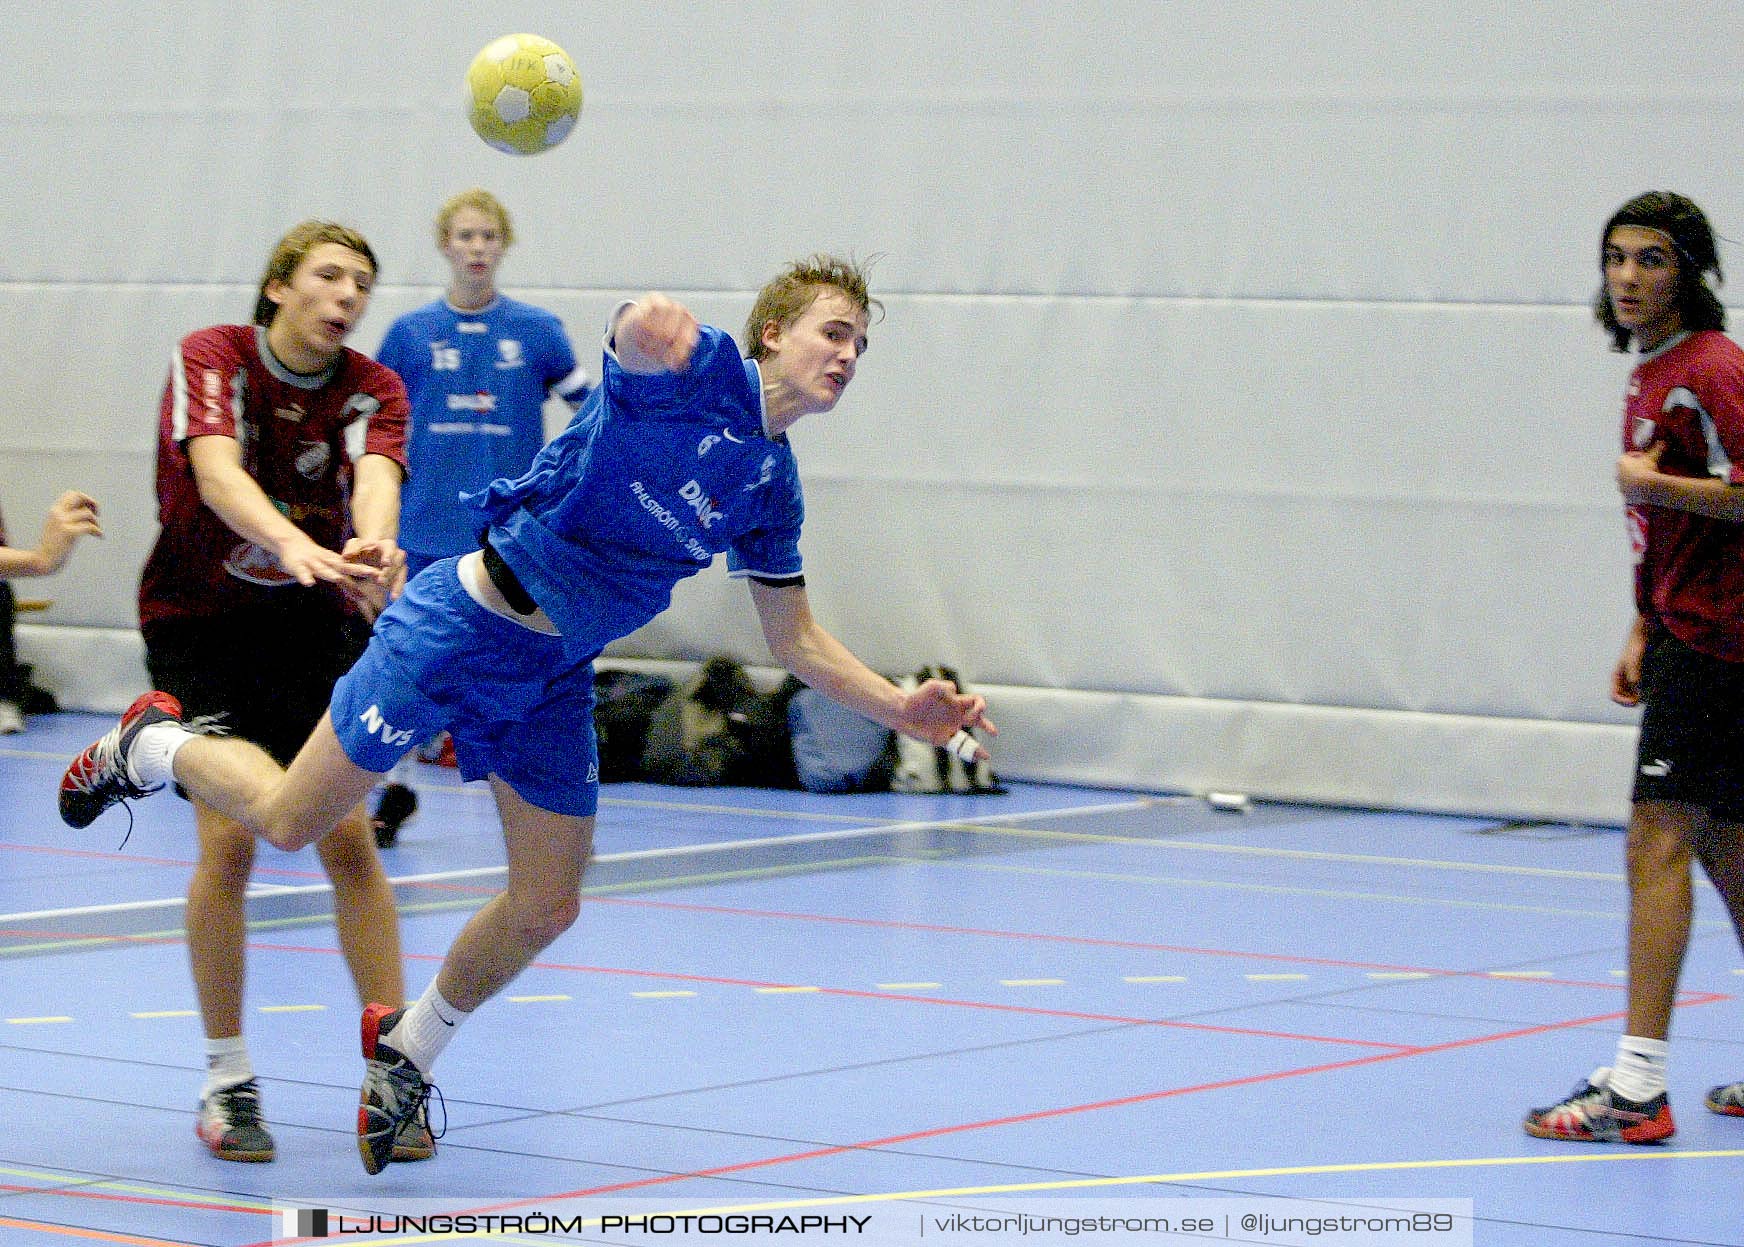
(655, 334)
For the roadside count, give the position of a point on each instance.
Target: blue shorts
(516, 707)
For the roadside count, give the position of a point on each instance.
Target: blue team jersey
(654, 477)
(477, 382)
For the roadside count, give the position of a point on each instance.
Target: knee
(1658, 849)
(289, 837)
(543, 916)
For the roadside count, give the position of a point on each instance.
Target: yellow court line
(35, 1021)
(534, 1000)
(292, 1008)
(782, 991)
(82, 1182)
(1219, 1175)
(1013, 1188)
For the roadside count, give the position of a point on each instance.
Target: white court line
(723, 846)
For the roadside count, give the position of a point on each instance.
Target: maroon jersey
(298, 435)
(1689, 574)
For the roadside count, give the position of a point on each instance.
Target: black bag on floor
(623, 706)
(719, 729)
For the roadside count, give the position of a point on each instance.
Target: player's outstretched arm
(935, 712)
(375, 518)
(73, 515)
(654, 334)
(237, 499)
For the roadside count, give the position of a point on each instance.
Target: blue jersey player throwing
(679, 455)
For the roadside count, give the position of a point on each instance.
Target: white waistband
(479, 588)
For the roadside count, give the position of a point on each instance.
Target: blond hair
(795, 288)
(291, 251)
(485, 202)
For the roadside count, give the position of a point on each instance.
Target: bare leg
(547, 854)
(288, 809)
(1658, 856)
(216, 923)
(1721, 851)
(363, 909)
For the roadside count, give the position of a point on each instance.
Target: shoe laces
(101, 770)
(239, 1106)
(404, 1090)
(433, 1093)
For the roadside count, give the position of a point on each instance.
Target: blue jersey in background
(477, 382)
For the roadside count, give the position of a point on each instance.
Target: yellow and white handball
(523, 94)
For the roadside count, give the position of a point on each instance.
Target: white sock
(426, 1028)
(1639, 1073)
(152, 757)
(227, 1064)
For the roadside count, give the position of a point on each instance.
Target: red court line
(78, 1192)
(948, 1002)
(854, 993)
(101, 1236)
(1080, 940)
(1051, 1113)
(1069, 1110)
(131, 859)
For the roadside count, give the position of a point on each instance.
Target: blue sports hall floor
(1055, 1015)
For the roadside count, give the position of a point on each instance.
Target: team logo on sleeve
(359, 404)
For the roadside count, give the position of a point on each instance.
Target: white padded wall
(1238, 414)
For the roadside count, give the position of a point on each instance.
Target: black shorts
(268, 671)
(1692, 729)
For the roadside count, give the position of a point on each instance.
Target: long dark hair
(1692, 238)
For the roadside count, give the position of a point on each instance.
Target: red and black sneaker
(99, 777)
(230, 1125)
(1593, 1113)
(390, 1106)
(1728, 1100)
